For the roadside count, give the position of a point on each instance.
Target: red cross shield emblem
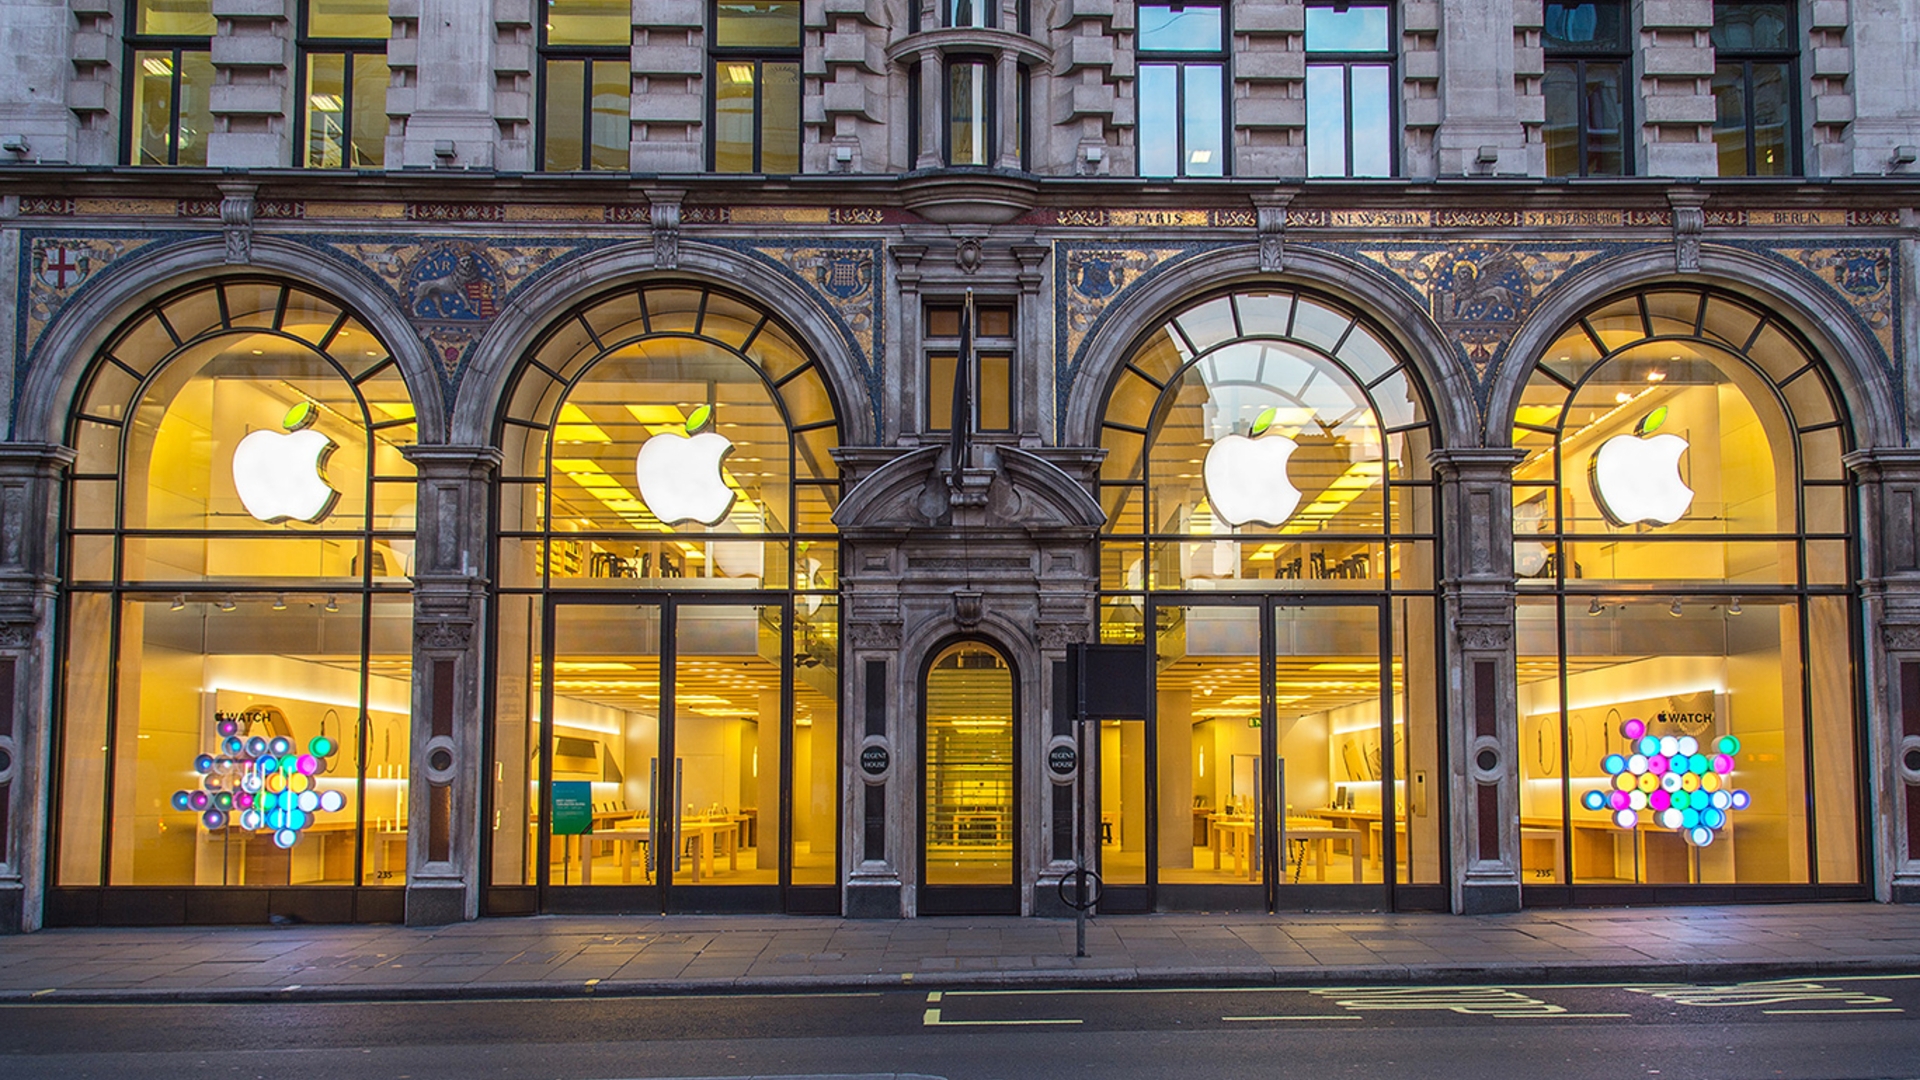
(62, 267)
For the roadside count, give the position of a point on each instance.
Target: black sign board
(1111, 681)
(874, 760)
(1063, 760)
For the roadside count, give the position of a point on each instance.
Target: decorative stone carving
(1901, 637)
(16, 634)
(865, 635)
(1486, 637)
(664, 208)
(1271, 213)
(443, 633)
(967, 255)
(1689, 220)
(966, 609)
(236, 221)
(1061, 635)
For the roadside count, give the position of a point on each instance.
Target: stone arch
(1141, 310)
(67, 349)
(534, 308)
(1851, 355)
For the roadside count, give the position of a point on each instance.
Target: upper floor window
(343, 53)
(992, 374)
(586, 84)
(1182, 87)
(170, 76)
(970, 110)
(755, 60)
(1350, 113)
(1587, 55)
(1754, 88)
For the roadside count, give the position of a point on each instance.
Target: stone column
(252, 54)
(1481, 106)
(933, 110)
(30, 477)
(452, 82)
(1006, 67)
(1890, 563)
(1477, 598)
(445, 833)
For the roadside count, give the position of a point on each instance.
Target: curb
(1036, 980)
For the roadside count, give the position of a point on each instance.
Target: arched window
(668, 446)
(239, 531)
(1270, 507)
(1683, 538)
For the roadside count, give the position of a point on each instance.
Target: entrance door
(1274, 748)
(969, 816)
(664, 731)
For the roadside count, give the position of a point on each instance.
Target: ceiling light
(1594, 607)
(1675, 609)
(1734, 608)
(179, 601)
(226, 603)
(333, 604)
(280, 602)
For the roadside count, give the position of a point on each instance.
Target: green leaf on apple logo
(1651, 422)
(301, 416)
(1263, 421)
(699, 418)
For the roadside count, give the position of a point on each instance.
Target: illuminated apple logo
(1246, 476)
(1636, 478)
(679, 475)
(284, 477)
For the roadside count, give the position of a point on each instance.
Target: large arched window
(667, 446)
(1270, 506)
(238, 535)
(1683, 542)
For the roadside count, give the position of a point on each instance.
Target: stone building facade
(1445, 249)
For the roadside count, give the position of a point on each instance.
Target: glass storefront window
(239, 634)
(1679, 608)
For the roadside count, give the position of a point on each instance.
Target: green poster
(572, 807)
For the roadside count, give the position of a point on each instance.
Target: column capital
(442, 460)
(1475, 462)
(1883, 462)
(17, 457)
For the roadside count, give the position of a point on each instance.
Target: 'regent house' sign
(1062, 760)
(874, 760)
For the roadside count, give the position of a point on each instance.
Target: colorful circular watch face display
(274, 787)
(1672, 781)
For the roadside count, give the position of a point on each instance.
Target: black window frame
(1179, 60)
(307, 46)
(938, 422)
(1347, 61)
(991, 98)
(1578, 58)
(546, 53)
(1745, 59)
(757, 55)
(134, 43)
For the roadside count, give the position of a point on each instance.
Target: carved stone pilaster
(449, 594)
(1889, 485)
(30, 483)
(1477, 592)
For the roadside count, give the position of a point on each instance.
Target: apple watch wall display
(1674, 780)
(258, 781)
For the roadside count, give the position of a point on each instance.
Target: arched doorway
(1685, 546)
(969, 795)
(665, 736)
(236, 626)
(1270, 535)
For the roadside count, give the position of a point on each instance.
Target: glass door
(969, 808)
(1273, 744)
(643, 815)
(600, 713)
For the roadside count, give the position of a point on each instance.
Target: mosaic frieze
(1866, 278)
(846, 280)
(54, 269)
(1088, 278)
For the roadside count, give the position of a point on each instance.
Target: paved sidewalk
(567, 956)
